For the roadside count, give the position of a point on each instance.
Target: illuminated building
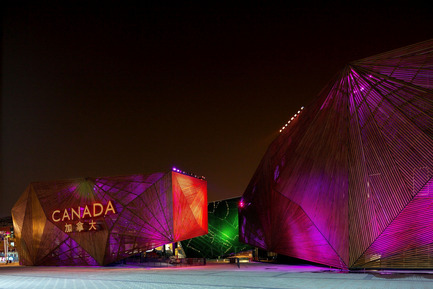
(223, 237)
(348, 181)
(98, 221)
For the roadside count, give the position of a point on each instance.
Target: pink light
(241, 204)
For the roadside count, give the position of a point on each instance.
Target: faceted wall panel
(190, 201)
(97, 221)
(357, 163)
(223, 237)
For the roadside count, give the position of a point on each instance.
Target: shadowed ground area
(214, 275)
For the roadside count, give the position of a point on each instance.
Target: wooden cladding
(357, 166)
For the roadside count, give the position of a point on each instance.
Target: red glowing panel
(189, 207)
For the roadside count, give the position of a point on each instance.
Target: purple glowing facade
(348, 182)
(97, 221)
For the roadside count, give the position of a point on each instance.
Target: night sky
(117, 88)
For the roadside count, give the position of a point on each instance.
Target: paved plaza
(250, 275)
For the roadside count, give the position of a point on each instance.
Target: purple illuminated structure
(348, 182)
(97, 221)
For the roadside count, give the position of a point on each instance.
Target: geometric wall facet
(286, 222)
(189, 207)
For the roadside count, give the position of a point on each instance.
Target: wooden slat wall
(304, 171)
(354, 160)
(386, 193)
(285, 229)
(397, 108)
(409, 236)
(316, 175)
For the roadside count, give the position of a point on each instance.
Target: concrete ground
(214, 275)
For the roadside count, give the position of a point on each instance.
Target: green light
(223, 236)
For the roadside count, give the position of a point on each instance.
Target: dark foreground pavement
(253, 275)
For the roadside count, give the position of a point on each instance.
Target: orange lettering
(76, 213)
(87, 212)
(110, 208)
(66, 215)
(101, 209)
(52, 216)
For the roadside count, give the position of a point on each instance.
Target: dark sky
(117, 88)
